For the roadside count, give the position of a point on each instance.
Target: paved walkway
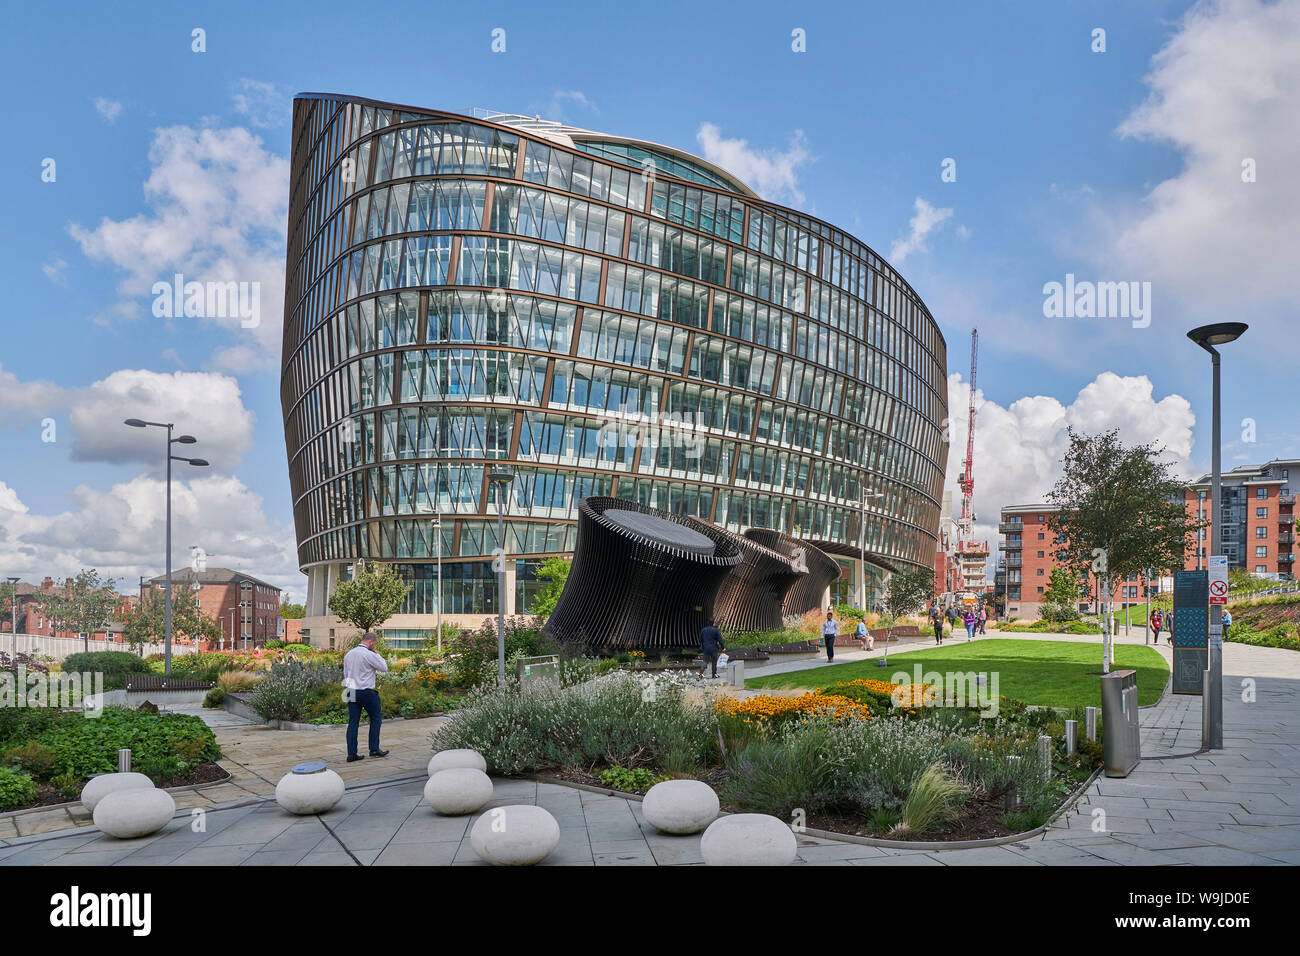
(1237, 806)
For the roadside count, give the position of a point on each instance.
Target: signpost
(1218, 592)
(1190, 633)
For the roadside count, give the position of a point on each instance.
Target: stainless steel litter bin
(1121, 734)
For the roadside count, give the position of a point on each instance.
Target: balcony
(1286, 500)
(1286, 521)
(1011, 527)
(1286, 537)
(1013, 559)
(1286, 559)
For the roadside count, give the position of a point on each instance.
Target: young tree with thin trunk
(370, 598)
(1120, 511)
(906, 593)
(83, 605)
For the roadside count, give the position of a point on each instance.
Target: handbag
(723, 658)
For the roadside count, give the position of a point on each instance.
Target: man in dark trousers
(710, 646)
(360, 665)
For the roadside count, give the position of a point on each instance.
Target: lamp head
(134, 423)
(1220, 333)
(199, 462)
(185, 440)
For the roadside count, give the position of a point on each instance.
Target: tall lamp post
(1207, 337)
(502, 481)
(198, 463)
(437, 537)
(13, 617)
(862, 548)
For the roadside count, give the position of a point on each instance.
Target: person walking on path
(984, 617)
(969, 620)
(830, 630)
(710, 647)
(360, 665)
(1157, 622)
(1226, 621)
(936, 619)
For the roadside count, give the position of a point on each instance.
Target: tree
(906, 593)
(555, 572)
(292, 612)
(1061, 599)
(83, 605)
(370, 598)
(1120, 512)
(147, 622)
(7, 591)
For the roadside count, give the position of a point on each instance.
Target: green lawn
(1046, 672)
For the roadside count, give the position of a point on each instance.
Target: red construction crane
(967, 480)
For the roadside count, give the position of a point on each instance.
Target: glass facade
(600, 318)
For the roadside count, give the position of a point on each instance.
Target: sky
(986, 150)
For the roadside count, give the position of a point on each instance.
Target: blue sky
(1122, 165)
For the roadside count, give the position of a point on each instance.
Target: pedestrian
(830, 630)
(984, 617)
(969, 620)
(864, 636)
(710, 646)
(1157, 622)
(360, 665)
(936, 620)
(1226, 621)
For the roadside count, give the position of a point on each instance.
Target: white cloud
(217, 208)
(112, 530)
(562, 99)
(770, 173)
(108, 110)
(207, 405)
(1224, 89)
(265, 104)
(926, 220)
(1018, 448)
(54, 270)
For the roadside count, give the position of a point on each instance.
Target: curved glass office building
(597, 316)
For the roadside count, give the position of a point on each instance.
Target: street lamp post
(198, 463)
(1207, 337)
(502, 480)
(862, 548)
(13, 617)
(437, 536)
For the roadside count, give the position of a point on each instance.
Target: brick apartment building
(1030, 551)
(247, 608)
(32, 619)
(1259, 534)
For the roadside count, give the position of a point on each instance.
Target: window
(1041, 536)
(1260, 532)
(1040, 519)
(1040, 572)
(1040, 554)
(1261, 492)
(1261, 512)
(1262, 569)
(1040, 590)
(1261, 551)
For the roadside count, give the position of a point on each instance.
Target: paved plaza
(1238, 806)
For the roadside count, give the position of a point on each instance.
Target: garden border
(76, 803)
(919, 845)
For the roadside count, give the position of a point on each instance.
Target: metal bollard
(124, 760)
(737, 673)
(1045, 755)
(1071, 736)
(1207, 689)
(1091, 722)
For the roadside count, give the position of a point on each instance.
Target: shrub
(32, 757)
(16, 789)
(114, 665)
(214, 697)
(234, 682)
(163, 746)
(619, 720)
(206, 667)
(284, 694)
(630, 781)
(473, 654)
(781, 775)
(934, 801)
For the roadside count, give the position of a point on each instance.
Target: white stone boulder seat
(309, 788)
(680, 806)
(516, 835)
(449, 759)
(97, 788)
(131, 813)
(457, 791)
(748, 839)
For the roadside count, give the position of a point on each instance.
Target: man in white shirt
(360, 665)
(830, 630)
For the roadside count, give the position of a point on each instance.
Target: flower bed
(856, 757)
(58, 751)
